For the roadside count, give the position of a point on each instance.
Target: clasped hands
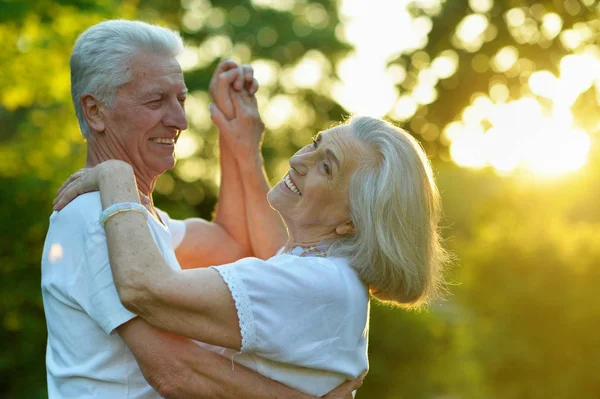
(235, 109)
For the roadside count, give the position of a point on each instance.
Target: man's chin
(162, 166)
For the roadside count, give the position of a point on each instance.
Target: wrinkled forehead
(155, 70)
(343, 137)
(350, 150)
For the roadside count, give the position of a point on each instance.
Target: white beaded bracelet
(119, 208)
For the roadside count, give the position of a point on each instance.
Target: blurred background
(503, 95)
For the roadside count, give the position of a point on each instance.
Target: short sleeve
(176, 228)
(94, 288)
(290, 309)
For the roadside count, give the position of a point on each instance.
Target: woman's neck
(309, 241)
(307, 235)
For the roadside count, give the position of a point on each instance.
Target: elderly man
(129, 95)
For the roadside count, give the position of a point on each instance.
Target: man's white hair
(395, 207)
(101, 56)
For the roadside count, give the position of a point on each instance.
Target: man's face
(148, 113)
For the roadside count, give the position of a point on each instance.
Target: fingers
(240, 79)
(245, 77)
(228, 78)
(67, 195)
(231, 75)
(220, 91)
(357, 383)
(220, 121)
(74, 176)
(239, 76)
(238, 100)
(223, 66)
(248, 100)
(345, 390)
(252, 86)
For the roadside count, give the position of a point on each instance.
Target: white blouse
(304, 321)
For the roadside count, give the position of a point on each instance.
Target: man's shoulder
(83, 211)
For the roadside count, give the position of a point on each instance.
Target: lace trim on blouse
(242, 305)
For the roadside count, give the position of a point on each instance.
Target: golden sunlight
(379, 31)
(534, 131)
(522, 135)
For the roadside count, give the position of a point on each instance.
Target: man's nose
(175, 116)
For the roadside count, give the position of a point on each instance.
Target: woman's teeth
(291, 185)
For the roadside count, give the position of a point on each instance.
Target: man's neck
(96, 154)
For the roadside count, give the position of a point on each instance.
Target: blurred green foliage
(522, 316)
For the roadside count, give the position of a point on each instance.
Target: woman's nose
(299, 163)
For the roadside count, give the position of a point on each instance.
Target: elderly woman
(362, 210)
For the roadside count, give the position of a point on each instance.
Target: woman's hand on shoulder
(86, 180)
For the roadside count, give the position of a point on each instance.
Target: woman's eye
(326, 168)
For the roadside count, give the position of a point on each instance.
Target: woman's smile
(291, 185)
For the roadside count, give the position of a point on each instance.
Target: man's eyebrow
(163, 92)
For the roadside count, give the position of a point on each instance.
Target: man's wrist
(254, 160)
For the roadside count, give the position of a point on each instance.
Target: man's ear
(345, 229)
(92, 112)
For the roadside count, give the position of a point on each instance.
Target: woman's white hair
(101, 56)
(395, 208)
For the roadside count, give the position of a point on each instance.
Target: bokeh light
(521, 134)
(530, 128)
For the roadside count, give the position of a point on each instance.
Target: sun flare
(536, 132)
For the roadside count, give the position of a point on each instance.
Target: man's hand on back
(345, 390)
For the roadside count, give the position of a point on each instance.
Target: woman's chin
(274, 198)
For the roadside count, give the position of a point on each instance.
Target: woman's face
(313, 195)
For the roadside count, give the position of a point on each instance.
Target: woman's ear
(345, 229)
(91, 111)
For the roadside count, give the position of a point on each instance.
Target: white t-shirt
(303, 320)
(85, 357)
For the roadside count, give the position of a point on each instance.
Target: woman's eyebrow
(332, 156)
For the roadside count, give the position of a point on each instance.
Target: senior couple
(139, 305)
